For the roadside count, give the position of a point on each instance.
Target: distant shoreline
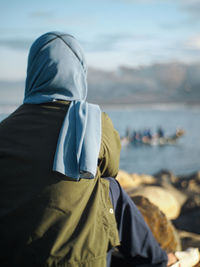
(7, 108)
(159, 106)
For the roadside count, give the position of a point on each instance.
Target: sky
(113, 33)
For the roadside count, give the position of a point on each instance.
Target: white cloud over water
(113, 33)
(193, 43)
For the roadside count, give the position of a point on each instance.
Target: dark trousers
(138, 246)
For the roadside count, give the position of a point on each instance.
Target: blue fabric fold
(81, 143)
(57, 70)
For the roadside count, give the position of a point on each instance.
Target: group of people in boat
(146, 136)
(142, 136)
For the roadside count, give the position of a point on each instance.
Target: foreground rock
(127, 180)
(177, 197)
(189, 186)
(162, 229)
(189, 239)
(160, 197)
(156, 190)
(189, 222)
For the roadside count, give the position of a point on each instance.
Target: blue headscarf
(57, 70)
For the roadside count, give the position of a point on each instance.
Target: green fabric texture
(45, 218)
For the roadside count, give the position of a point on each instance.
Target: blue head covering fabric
(57, 70)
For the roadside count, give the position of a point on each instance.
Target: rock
(128, 181)
(165, 175)
(194, 186)
(191, 204)
(135, 183)
(160, 197)
(189, 221)
(180, 196)
(125, 179)
(162, 229)
(189, 183)
(189, 239)
(143, 179)
(170, 197)
(168, 180)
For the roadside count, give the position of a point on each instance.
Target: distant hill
(158, 83)
(11, 92)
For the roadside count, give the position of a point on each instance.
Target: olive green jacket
(46, 219)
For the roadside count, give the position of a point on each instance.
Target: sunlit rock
(161, 227)
(160, 197)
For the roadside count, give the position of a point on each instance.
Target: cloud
(41, 14)
(144, 1)
(182, 50)
(50, 17)
(190, 5)
(193, 43)
(112, 51)
(17, 44)
(189, 11)
(171, 82)
(104, 42)
(113, 42)
(192, 8)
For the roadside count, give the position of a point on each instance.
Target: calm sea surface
(181, 158)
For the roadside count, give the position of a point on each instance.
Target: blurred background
(144, 70)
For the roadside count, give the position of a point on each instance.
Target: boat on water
(155, 140)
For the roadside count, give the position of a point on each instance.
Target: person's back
(59, 156)
(45, 218)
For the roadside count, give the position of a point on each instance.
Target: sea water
(182, 158)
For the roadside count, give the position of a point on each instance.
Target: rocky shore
(170, 205)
